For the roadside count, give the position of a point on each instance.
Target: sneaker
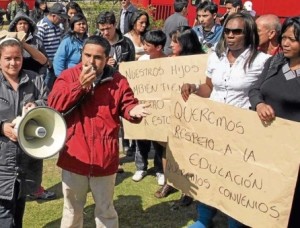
(139, 175)
(45, 195)
(160, 179)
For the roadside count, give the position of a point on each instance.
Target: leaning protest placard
(153, 81)
(225, 157)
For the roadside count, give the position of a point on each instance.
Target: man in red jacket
(94, 95)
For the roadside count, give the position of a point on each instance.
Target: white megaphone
(41, 132)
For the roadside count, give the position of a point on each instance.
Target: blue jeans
(197, 224)
(141, 155)
(206, 214)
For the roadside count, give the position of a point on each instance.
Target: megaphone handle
(28, 106)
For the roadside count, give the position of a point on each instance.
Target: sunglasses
(234, 32)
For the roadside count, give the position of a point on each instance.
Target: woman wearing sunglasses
(277, 92)
(232, 69)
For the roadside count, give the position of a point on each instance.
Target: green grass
(92, 9)
(134, 202)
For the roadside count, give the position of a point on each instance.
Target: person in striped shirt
(50, 34)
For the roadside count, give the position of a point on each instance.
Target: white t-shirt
(144, 57)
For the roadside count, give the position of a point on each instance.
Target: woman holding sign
(277, 92)
(232, 69)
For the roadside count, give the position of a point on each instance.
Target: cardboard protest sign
(153, 127)
(153, 81)
(225, 157)
(18, 35)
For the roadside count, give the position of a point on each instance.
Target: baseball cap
(59, 9)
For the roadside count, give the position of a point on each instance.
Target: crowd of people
(253, 63)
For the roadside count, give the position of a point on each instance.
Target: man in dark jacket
(125, 14)
(122, 48)
(91, 156)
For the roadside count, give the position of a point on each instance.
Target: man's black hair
(106, 17)
(235, 3)
(208, 6)
(179, 5)
(155, 37)
(98, 40)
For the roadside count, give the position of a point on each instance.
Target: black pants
(12, 211)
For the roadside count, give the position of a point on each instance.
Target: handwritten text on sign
(154, 81)
(153, 127)
(224, 157)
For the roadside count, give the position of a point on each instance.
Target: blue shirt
(208, 39)
(68, 54)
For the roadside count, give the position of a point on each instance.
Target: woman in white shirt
(232, 69)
